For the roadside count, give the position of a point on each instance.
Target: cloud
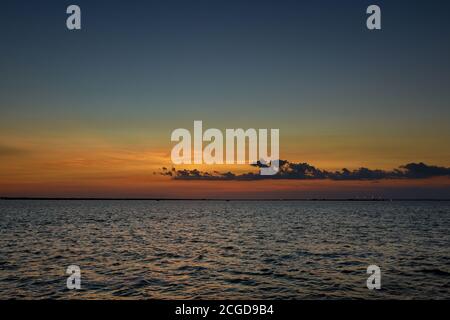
(10, 151)
(305, 171)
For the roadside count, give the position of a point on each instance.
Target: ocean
(224, 249)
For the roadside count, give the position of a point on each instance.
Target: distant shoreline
(200, 199)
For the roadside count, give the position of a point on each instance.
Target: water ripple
(224, 250)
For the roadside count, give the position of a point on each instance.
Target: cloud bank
(305, 171)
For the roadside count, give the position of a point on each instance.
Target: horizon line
(219, 199)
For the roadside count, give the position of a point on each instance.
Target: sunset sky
(89, 113)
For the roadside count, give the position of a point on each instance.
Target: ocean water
(224, 250)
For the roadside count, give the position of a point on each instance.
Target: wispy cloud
(305, 171)
(11, 151)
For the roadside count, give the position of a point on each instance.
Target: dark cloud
(10, 151)
(305, 171)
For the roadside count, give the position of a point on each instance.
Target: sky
(89, 113)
